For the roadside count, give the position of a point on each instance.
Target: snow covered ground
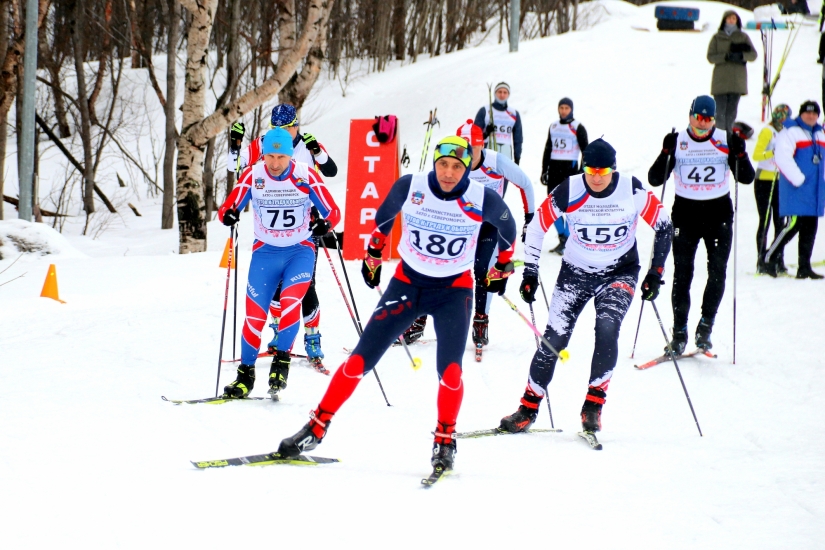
(89, 454)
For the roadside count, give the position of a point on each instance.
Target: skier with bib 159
(283, 192)
(441, 215)
(601, 262)
(701, 158)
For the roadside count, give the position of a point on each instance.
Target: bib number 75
(279, 219)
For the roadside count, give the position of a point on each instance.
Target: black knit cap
(809, 106)
(566, 101)
(600, 154)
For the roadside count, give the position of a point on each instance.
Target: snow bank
(33, 239)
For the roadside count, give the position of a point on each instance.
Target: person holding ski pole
(600, 263)
(729, 51)
(441, 215)
(283, 192)
(764, 187)
(703, 157)
(800, 149)
(308, 150)
(566, 139)
(501, 124)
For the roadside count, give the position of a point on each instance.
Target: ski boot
(312, 345)
(416, 330)
(308, 437)
(480, 324)
(278, 372)
(592, 410)
(703, 330)
(560, 247)
(444, 447)
(242, 385)
(780, 264)
(807, 273)
(272, 346)
(679, 342)
(523, 418)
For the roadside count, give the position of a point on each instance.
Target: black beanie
(566, 101)
(600, 154)
(809, 106)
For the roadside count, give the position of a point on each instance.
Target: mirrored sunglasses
(703, 118)
(591, 171)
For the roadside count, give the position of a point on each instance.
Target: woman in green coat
(729, 51)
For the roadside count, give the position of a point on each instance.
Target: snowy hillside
(90, 454)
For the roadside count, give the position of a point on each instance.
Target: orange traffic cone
(225, 259)
(50, 285)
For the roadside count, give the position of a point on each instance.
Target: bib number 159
(602, 235)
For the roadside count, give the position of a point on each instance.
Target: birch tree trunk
(77, 29)
(197, 131)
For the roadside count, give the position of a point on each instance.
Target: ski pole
(357, 326)
(346, 278)
(549, 410)
(541, 286)
(235, 301)
(564, 355)
(662, 200)
(533, 318)
(415, 363)
(225, 302)
(675, 364)
(735, 227)
(493, 140)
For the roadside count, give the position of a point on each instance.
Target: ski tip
(164, 398)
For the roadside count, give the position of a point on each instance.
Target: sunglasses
(590, 171)
(703, 118)
(452, 150)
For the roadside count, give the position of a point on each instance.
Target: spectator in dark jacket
(729, 51)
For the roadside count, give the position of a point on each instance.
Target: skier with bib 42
(701, 158)
(308, 150)
(441, 214)
(600, 263)
(283, 192)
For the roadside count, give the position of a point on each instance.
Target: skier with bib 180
(601, 262)
(701, 158)
(282, 192)
(505, 125)
(566, 139)
(308, 150)
(441, 215)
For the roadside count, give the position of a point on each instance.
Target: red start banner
(372, 168)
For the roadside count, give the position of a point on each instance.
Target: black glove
(529, 283)
(735, 57)
(490, 129)
(320, 227)
(497, 276)
(545, 178)
(669, 143)
(236, 137)
(740, 47)
(527, 219)
(311, 143)
(650, 286)
(736, 145)
(231, 217)
(517, 160)
(371, 267)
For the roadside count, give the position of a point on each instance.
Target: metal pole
(515, 15)
(26, 175)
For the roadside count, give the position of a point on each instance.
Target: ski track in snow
(88, 447)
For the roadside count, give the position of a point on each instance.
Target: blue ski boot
(273, 345)
(312, 345)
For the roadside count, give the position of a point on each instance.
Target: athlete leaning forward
(600, 262)
(441, 212)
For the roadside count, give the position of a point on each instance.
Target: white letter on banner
(370, 191)
(366, 238)
(372, 161)
(367, 214)
(371, 141)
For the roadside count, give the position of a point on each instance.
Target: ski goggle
(291, 124)
(453, 150)
(703, 118)
(591, 171)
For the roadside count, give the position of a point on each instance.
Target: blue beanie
(566, 101)
(703, 105)
(600, 154)
(277, 142)
(283, 115)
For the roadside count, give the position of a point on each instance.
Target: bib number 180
(437, 245)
